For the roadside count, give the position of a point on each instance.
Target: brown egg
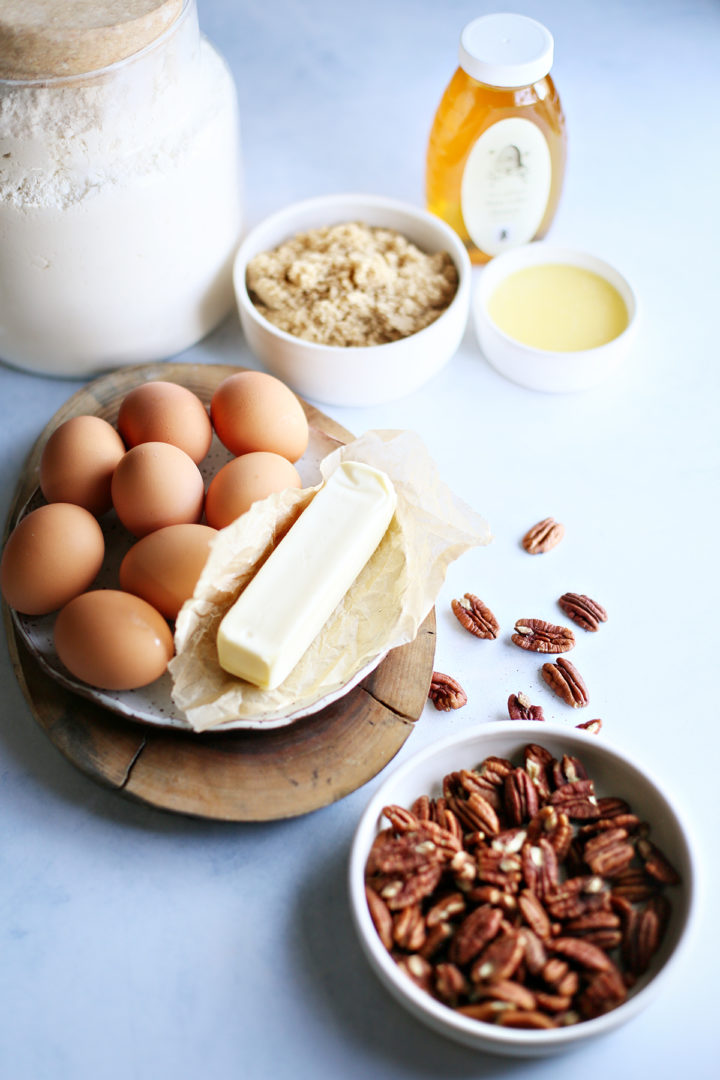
(166, 412)
(78, 461)
(245, 480)
(252, 410)
(53, 554)
(164, 566)
(113, 640)
(155, 485)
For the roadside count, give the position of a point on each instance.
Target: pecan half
(474, 933)
(537, 761)
(398, 893)
(608, 853)
(540, 868)
(641, 938)
(604, 992)
(476, 617)
(581, 609)
(525, 1018)
(657, 865)
(506, 990)
(581, 952)
(381, 917)
(446, 693)
(409, 928)
(450, 983)
(521, 796)
(520, 708)
(543, 536)
(500, 959)
(577, 800)
(540, 636)
(565, 680)
(418, 969)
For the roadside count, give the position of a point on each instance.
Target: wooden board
(230, 776)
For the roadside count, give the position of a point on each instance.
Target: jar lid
(55, 38)
(506, 50)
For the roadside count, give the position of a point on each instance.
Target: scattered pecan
(592, 726)
(446, 693)
(520, 708)
(518, 897)
(565, 680)
(543, 536)
(581, 609)
(540, 636)
(476, 617)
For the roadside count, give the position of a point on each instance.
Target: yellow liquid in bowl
(558, 307)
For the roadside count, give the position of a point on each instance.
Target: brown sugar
(351, 285)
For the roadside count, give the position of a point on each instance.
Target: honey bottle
(496, 154)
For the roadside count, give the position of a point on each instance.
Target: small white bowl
(367, 375)
(614, 773)
(542, 369)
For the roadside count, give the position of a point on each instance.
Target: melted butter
(559, 307)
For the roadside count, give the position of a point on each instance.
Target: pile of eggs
(147, 470)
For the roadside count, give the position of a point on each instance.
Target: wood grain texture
(230, 776)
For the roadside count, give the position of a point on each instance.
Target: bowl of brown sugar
(353, 299)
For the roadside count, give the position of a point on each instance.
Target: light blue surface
(140, 945)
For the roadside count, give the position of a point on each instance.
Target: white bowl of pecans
(353, 299)
(523, 887)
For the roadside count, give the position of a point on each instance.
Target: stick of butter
(284, 607)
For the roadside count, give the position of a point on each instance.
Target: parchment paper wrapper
(384, 607)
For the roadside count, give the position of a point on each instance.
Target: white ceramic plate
(153, 704)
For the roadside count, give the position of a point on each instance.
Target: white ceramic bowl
(541, 369)
(365, 375)
(614, 773)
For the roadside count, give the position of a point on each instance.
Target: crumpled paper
(384, 607)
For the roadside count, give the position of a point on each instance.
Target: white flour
(119, 210)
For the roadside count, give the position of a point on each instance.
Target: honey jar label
(506, 185)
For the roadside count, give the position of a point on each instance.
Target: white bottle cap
(506, 50)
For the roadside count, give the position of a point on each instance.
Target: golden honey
(496, 153)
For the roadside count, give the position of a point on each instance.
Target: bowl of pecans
(522, 887)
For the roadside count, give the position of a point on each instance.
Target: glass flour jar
(120, 187)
